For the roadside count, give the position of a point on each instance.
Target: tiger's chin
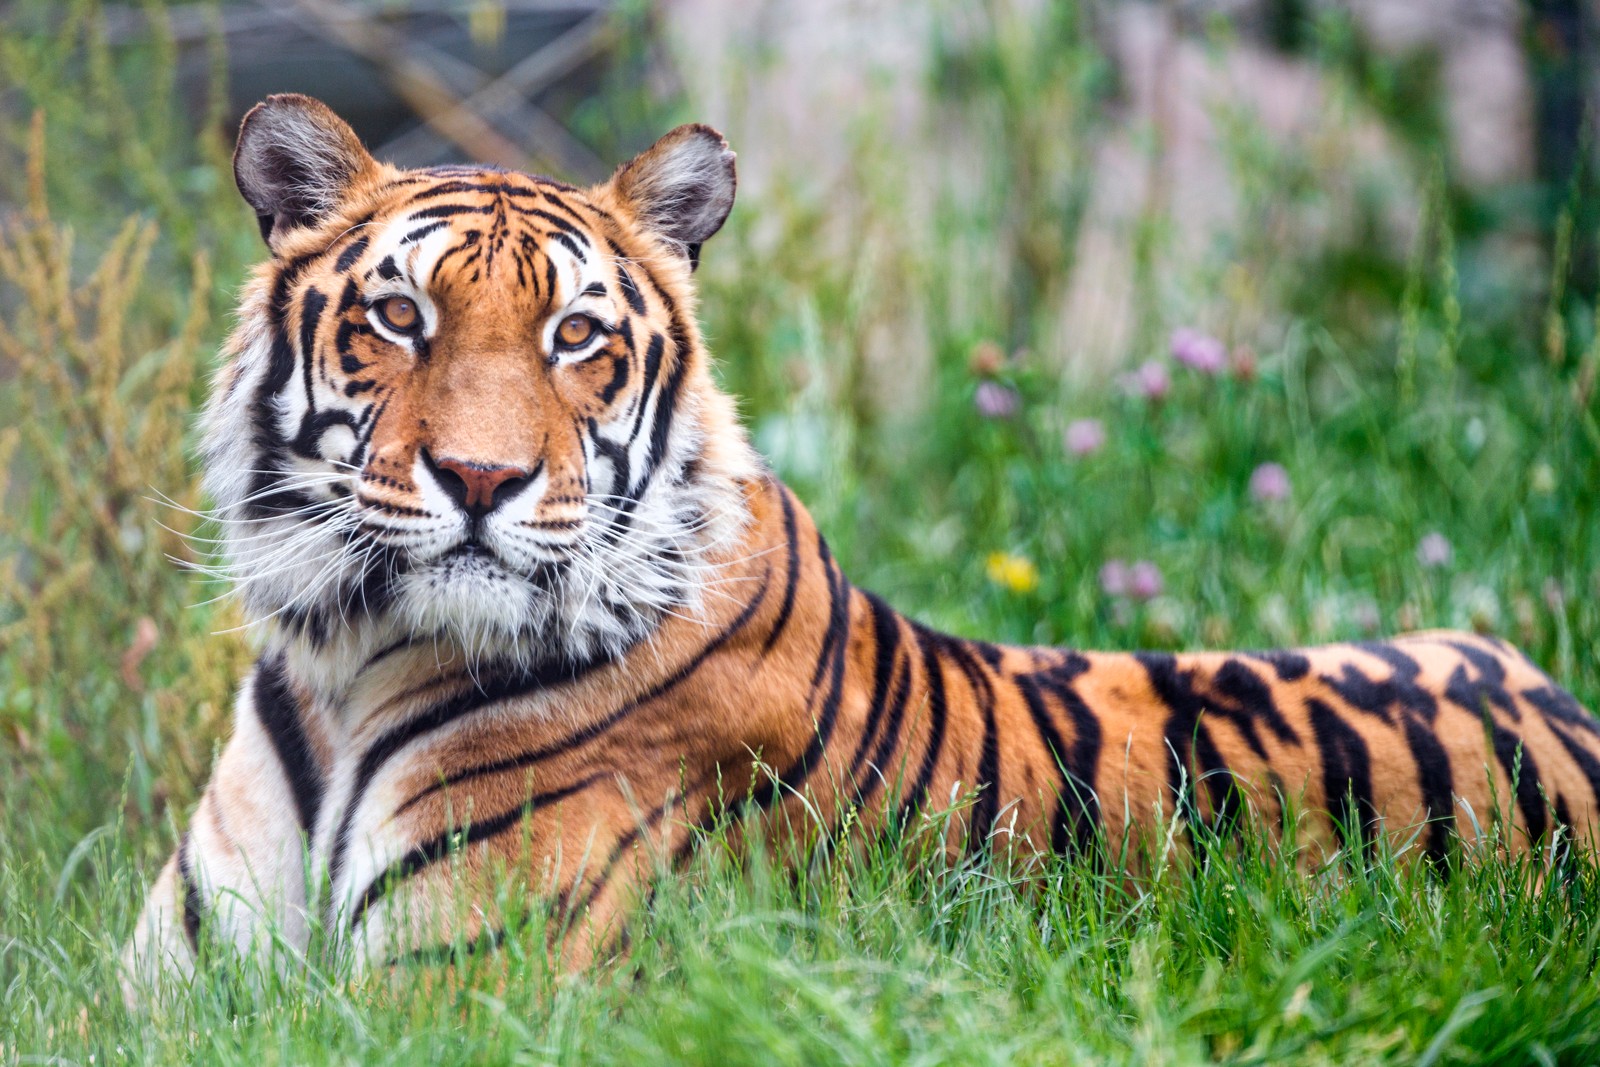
(469, 605)
(494, 613)
(472, 597)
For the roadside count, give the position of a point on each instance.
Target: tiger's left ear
(295, 163)
(681, 188)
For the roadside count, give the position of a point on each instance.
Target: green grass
(883, 956)
(1403, 396)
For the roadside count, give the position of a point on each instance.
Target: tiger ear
(681, 187)
(295, 162)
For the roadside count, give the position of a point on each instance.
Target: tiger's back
(1427, 737)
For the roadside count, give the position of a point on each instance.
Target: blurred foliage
(110, 306)
(1034, 84)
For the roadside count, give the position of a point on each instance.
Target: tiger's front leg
(575, 921)
(561, 867)
(240, 874)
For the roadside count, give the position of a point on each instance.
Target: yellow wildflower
(1016, 573)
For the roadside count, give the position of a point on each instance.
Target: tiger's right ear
(681, 188)
(295, 162)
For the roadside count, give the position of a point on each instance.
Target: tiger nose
(477, 488)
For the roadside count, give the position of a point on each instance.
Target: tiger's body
(533, 605)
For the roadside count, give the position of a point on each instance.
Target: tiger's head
(469, 403)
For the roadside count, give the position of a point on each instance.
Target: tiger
(529, 601)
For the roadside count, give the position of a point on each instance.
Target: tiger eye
(575, 330)
(399, 314)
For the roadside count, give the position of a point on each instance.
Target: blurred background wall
(1227, 139)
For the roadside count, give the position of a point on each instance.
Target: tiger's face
(471, 404)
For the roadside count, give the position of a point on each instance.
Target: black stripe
(519, 256)
(1290, 666)
(564, 905)
(1489, 687)
(630, 290)
(1419, 708)
(889, 739)
(193, 904)
(422, 231)
(563, 227)
(987, 803)
(1523, 772)
(281, 361)
(644, 268)
(1436, 784)
(836, 646)
(831, 575)
(348, 257)
(445, 211)
(1221, 787)
(1253, 697)
(561, 205)
(986, 806)
(622, 485)
(621, 365)
(265, 434)
(1557, 705)
(1586, 760)
(885, 661)
(369, 417)
(699, 787)
(1346, 775)
(451, 839)
(617, 454)
(791, 578)
(1193, 757)
(393, 647)
(471, 244)
(571, 245)
(349, 297)
(312, 306)
(316, 423)
(1476, 696)
(937, 714)
(1077, 818)
(1401, 687)
(279, 713)
(486, 188)
(557, 202)
(450, 953)
(666, 409)
(1050, 738)
(349, 330)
